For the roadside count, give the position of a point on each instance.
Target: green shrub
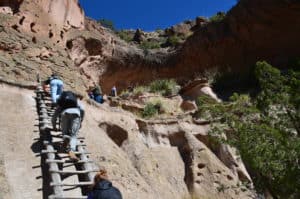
(125, 35)
(149, 45)
(173, 40)
(139, 90)
(159, 31)
(107, 23)
(151, 109)
(217, 17)
(265, 129)
(164, 86)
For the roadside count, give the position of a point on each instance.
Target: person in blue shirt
(56, 87)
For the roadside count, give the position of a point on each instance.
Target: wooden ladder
(61, 168)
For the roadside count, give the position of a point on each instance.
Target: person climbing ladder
(71, 113)
(103, 188)
(56, 87)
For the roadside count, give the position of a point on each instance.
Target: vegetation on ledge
(265, 129)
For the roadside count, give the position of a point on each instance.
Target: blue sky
(152, 14)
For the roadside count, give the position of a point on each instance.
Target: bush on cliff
(151, 109)
(164, 86)
(217, 17)
(107, 23)
(265, 129)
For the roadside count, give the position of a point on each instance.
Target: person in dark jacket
(71, 113)
(102, 188)
(97, 94)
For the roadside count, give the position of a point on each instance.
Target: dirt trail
(18, 129)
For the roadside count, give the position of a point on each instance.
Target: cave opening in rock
(116, 133)
(179, 140)
(14, 5)
(69, 44)
(93, 46)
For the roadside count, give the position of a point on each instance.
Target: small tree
(107, 23)
(264, 129)
(217, 17)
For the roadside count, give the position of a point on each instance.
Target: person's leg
(53, 88)
(65, 123)
(75, 126)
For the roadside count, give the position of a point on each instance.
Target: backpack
(67, 100)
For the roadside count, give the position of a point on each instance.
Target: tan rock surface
(145, 159)
(21, 169)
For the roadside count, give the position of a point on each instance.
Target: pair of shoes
(73, 157)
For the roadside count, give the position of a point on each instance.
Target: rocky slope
(163, 158)
(251, 31)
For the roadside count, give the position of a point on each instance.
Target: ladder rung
(68, 161)
(46, 151)
(71, 184)
(72, 172)
(84, 152)
(67, 197)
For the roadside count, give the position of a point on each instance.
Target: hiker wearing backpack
(71, 113)
(103, 188)
(56, 87)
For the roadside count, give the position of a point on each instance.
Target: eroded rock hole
(34, 40)
(16, 27)
(51, 34)
(179, 140)
(229, 177)
(69, 44)
(116, 133)
(201, 166)
(93, 46)
(21, 20)
(32, 27)
(62, 34)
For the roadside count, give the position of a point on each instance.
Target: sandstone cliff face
(253, 30)
(60, 12)
(64, 12)
(49, 36)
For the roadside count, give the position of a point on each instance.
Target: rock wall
(64, 12)
(61, 12)
(253, 30)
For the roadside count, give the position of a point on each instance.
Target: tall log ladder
(69, 180)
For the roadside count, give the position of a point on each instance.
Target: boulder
(196, 88)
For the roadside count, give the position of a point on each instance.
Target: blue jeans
(56, 87)
(99, 99)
